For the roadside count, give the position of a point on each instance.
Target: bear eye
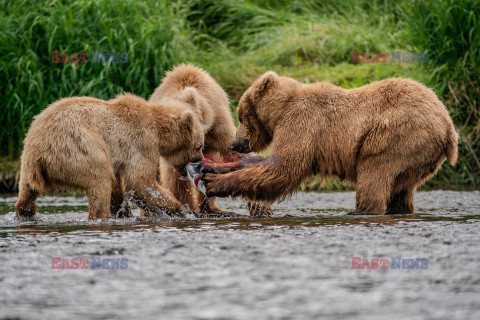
(240, 119)
(198, 148)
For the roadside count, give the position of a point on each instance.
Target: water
(296, 265)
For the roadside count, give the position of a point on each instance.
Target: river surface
(295, 265)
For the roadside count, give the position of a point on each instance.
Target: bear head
(259, 111)
(184, 140)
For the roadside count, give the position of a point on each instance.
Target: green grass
(155, 38)
(449, 30)
(235, 41)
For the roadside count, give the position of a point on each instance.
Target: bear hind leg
(26, 205)
(401, 202)
(373, 192)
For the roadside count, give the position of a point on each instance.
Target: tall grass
(299, 38)
(152, 33)
(449, 30)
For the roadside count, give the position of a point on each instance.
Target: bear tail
(451, 148)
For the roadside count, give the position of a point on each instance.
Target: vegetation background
(236, 40)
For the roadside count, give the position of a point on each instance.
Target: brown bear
(387, 137)
(89, 144)
(209, 102)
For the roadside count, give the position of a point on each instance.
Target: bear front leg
(254, 183)
(156, 200)
(255, 208)
(221, 185)
(181, 189)
(207, 205)
(266, 183)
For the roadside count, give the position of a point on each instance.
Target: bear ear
(186, 121)
(189, 95)
(266, 81)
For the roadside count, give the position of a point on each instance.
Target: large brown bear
(387, 137)
(89, 144)
(209, 102)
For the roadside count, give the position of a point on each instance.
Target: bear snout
(241, 146)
